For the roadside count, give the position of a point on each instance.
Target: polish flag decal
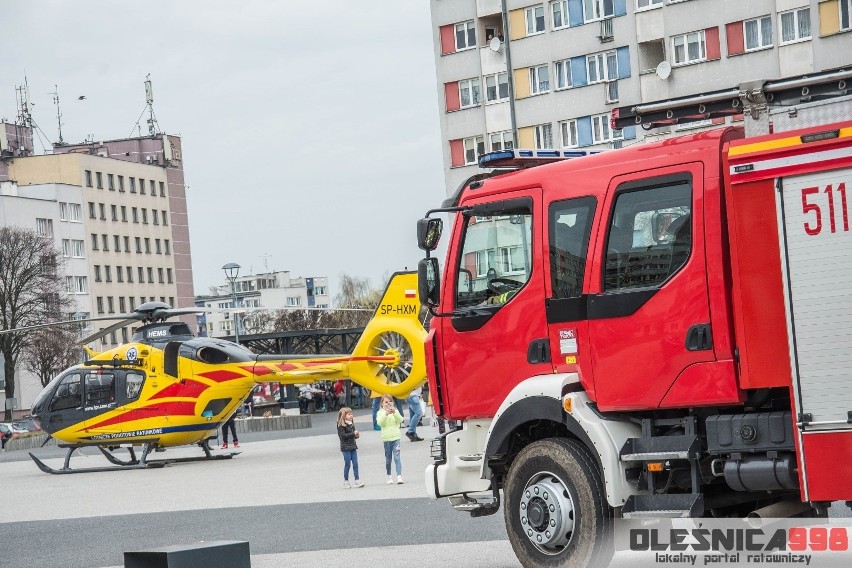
(410, 293)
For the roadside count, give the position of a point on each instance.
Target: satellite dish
(495, 44)
(664, 70)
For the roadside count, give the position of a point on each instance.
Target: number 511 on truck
(661, 330)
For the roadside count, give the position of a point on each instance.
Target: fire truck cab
(660, 330)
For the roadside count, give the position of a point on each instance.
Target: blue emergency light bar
(516, 159)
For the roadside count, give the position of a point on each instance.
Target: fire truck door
(497, 335)
(652, 299)
(816, 260)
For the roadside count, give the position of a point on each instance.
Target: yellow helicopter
(169, 388)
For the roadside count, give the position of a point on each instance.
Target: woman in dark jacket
(348, 434)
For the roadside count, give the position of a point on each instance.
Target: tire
(556, 511)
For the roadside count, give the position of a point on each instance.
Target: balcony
(606, 34)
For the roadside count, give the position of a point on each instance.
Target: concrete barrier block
(224, 553)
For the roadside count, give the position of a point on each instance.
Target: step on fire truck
(661, 330)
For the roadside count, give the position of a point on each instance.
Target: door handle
(699, 337)
(539, 351)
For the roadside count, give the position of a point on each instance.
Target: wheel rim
(547, 513)
(394, 344)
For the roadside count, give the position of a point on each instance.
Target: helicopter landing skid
(132, 463)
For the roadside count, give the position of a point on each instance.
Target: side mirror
(429, 281)
(429, 233)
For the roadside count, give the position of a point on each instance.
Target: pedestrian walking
(348, 434)
(415, 413)
(389, 420)
(229, 425)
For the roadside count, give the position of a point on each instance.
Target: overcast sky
(310, 130)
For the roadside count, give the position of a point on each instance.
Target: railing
(606, 30)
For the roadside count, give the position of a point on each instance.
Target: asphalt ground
(283, 494)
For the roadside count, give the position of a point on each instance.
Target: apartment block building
(271, 290)
(117, 212)
(516, 73)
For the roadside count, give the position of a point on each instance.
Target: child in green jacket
(389, 419)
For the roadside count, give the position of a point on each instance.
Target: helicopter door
(99, 398)
(66, 405)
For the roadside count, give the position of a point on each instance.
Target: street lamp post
(232, 270)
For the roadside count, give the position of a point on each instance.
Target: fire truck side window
(649, 237)
(570, 223)
(496, 259)
(69, 393)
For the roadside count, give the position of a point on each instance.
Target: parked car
(7, 430)
(27, 424)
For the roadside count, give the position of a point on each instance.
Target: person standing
(348, 434)
(376, 397)
(389, 420)
(415, 413)
(229, 424)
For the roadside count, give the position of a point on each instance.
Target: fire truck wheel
(556, 510)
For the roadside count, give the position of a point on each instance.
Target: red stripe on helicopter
(185, 388)
(258, 370)
(157, 409)
(221, 375)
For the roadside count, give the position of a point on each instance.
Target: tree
(31, 292)
(51, 351)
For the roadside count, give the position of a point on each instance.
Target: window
(497, 87)
(44, 227)
(795, 25)
(601, 131)
(108, 276)
(147, 245)
(294, 301)
(75, 212)
(473, 148)
(66, 247)
(482, 259)
(99, 178)
(114, 211)
(568, 130)
(559, 14)
(166, 246)
(132, 185)
(138, 245)
(126, 244)
(94, 241)
(102, 209)
(116, 243)
(169, 275)
(569, 225)
(69, 393)
(535, 19)
(91, 210)
(165, 219)
(649, 237)
(539, 79)
(642, 4)
(153, 186)
(563, 74)
(845, 10)
(73, 247)
(144, 216)
(602, 67)
(501, 141)
(130, 280)
(597, 9)
(100, 304)
(88, 175)
(124, 213)
(100, 388)
(758, 33)
(111, 182)
(465, 35)
(134, 384)
(135, 214)
(689, 48)
(119, 277)
(141, 274)
(121, 184)
(76, 284)
(63, 211)
(469, 93)
(162, 189)
(105, 242)
(543, 136)
(150, 276)
(97, 273)
(141, 186)
(160, 277)
(155, 217)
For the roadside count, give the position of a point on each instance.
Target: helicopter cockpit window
(134, 385)
(69, 393)
(496, 259)
(100, 388)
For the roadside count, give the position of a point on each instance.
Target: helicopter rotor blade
(68, 322)
(100, 333)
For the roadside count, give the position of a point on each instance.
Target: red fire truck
(661, 330)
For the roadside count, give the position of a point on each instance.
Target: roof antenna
(153, 127)
(55, 94)
(25, 117)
